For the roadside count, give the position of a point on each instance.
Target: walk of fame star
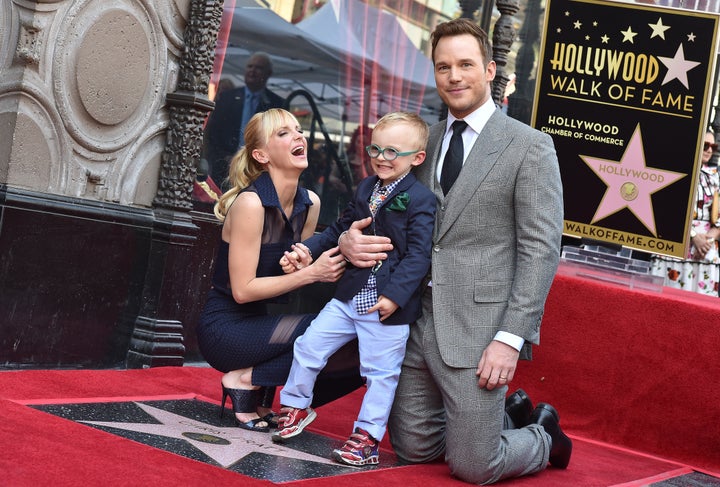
(192, 428)
(630, 182)
(224, 445)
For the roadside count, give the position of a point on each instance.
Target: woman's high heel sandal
(267, 396)
(244, 401)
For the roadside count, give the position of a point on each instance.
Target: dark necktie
(249, 107)
(453, 157)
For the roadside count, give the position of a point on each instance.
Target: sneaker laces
(285, 413)
(359, 439)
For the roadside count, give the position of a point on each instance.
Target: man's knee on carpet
(413, 449)
(475, 465)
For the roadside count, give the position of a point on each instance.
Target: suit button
(442, 208)
(436, 249)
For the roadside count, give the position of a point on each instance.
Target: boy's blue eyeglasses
(388, 153)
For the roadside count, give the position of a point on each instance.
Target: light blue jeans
(382, 349)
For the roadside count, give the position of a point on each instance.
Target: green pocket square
(399, 203)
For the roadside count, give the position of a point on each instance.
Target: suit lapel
(402, 186)
(482, 157)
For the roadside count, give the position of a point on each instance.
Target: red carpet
(629, 371)
(41, 449)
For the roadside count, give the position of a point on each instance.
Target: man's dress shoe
(546, 416)
(518, 409)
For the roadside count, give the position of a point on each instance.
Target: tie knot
(458, 127)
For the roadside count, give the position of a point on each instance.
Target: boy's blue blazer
(407, 217)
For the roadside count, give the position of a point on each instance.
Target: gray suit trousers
(440, 409)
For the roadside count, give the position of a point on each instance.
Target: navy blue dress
(234, 336)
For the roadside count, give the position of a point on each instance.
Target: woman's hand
(702, 243)
(299, 258)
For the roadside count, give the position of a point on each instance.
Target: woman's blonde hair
(244, 169)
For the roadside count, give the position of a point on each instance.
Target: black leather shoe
(518, 409)
(546, 416)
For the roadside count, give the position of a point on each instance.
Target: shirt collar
(269, 197)
(390, 187)
(477, 119)
(706, 168)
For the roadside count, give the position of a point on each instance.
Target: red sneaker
(360, 449)
(292, 422)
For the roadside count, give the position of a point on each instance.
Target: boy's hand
(384, 306)
(297, 259)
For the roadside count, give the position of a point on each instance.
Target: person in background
(233, 108)
(262, 214)
(206, 190)
(700, 270)
(223, 85)
(358, 160)
(377, 304)
(496, 247)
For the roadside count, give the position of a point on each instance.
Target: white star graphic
(691, 37)
(677, 66)
(224, 445)
(658, 29)
(605, 39)
(628, 35)
(577, 24)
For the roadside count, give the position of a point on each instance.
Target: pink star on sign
(678, 67)
(630, 183)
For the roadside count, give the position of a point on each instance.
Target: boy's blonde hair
(420, 139)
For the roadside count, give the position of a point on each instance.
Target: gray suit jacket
(497, 237)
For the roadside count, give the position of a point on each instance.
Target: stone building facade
(103, 261)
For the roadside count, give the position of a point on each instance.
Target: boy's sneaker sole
(338, 456)
(359, 450)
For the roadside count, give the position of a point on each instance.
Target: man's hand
(329, 267)
(497, 365)
(363, 250)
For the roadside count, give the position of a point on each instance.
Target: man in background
(233, 109)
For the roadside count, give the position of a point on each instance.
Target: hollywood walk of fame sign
(624, 90)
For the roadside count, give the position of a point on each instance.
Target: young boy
(374, 304)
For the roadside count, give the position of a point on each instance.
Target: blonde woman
(263, 214)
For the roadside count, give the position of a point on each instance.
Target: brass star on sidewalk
(224, 445)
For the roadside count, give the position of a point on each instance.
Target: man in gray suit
(495, 252)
